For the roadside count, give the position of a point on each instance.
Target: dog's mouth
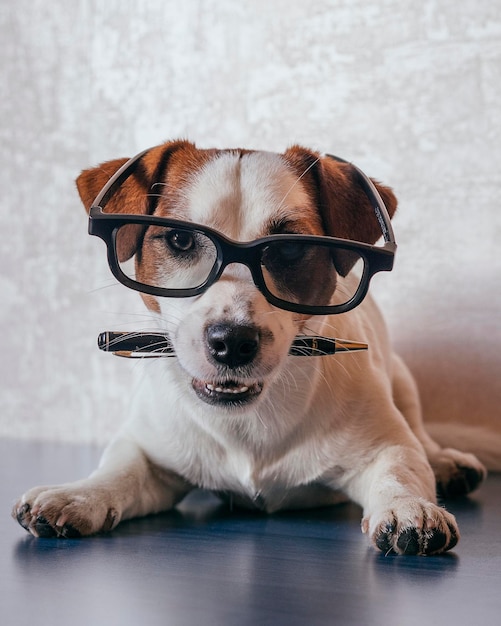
(227, 393)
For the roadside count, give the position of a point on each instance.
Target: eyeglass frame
(377, 258)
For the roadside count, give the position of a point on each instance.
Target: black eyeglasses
(307, 274)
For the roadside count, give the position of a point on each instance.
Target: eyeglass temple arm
(118, 178)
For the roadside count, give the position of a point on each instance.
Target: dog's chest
(283, 479)
(286, 484)
(237, 470)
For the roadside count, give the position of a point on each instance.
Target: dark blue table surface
(204, 564)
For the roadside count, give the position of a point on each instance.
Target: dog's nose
(232, 344)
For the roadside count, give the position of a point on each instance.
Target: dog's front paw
(456, 473)
(66, 511)
(412, 526)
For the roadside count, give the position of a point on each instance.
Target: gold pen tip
(350, 346)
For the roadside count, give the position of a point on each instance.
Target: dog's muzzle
(231, 348)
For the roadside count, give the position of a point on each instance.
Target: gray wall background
(410, 91)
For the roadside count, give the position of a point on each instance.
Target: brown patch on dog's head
(133, 194)
(344, 207)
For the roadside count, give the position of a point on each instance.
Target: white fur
(322, 428)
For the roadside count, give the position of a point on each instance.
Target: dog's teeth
(232, 390)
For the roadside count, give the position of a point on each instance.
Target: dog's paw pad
(69, 532)
(21, 513)
(408, 541)
(456, 473)
(43, 529)
(462, 482)
(384, 538)
(439, 541)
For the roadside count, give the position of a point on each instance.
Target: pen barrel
(323, 346)
(156, 343)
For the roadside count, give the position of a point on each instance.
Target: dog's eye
(289, 251)
(180, 240)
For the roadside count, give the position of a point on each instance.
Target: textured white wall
(410, 91)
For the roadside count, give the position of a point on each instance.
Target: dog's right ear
(91, 181)
(133, 195)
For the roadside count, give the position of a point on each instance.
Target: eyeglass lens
(293, 271)
(307, 273)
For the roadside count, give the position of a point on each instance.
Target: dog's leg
(456, 473)
(397, 492)
(125, 485)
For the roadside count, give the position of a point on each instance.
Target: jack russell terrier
(236, 253)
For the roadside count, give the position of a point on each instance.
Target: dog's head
(230, 341)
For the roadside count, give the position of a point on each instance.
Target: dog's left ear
(346, 210)
(344, 207)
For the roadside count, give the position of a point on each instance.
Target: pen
(151, 344)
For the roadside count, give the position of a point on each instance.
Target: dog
(234, 412)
